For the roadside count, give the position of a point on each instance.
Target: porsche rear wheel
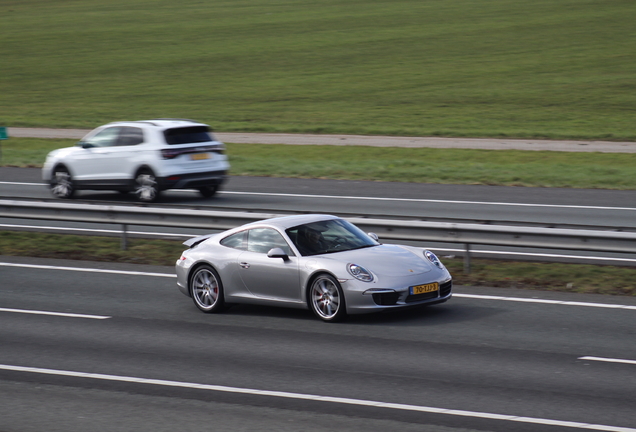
(326, 298)
(207, 290)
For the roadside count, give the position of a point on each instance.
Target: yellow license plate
(426, 288)
(199, 156)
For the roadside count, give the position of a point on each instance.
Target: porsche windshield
(333, 235)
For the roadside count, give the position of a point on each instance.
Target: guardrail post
(467, 259)
(124, 236)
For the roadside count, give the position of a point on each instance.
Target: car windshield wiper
(358, 247)
(367, 246)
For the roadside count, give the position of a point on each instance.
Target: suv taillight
(169, 153)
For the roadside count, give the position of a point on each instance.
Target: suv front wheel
(62, 183)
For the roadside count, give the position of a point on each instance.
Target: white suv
(144, 157)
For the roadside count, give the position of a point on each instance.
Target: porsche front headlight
(433, 259)
(360, 273)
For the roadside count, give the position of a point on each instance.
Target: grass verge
(499, 68)
(529, 275)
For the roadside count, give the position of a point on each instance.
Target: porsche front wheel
(326, 298)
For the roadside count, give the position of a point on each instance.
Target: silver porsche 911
(319, 262)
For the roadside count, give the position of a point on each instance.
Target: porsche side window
(261, 240)
(236, 241)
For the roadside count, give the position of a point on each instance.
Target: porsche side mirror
(374, 236)
(277, 253)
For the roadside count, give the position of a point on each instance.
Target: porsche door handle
(244, 265)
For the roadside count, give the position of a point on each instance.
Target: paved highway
(96, 346)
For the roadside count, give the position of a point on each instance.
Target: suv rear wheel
(208, 191)
(146, 187)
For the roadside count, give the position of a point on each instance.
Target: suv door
(108, 156)
(97, 162)
(125, 153)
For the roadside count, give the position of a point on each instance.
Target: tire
(206, 289)
(62, 183)
(208, 191)
(326, 299)
(146, 187)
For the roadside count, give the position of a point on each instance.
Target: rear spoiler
(196, 240)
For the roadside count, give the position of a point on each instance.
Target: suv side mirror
(277, 253)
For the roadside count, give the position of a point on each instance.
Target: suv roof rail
(177, 119)
(151, 122)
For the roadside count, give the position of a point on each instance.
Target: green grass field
(546, 69)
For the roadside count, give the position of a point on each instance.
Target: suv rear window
(187, 135)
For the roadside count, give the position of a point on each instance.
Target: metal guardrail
(460, 233)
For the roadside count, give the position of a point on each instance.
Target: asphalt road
(471, 364)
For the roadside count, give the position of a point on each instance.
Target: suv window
(187, 135)
(105, 138)
(261, 240)
(130, 136)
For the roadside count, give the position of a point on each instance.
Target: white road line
(431, 201)
(398, 199)
(544, 301)
(88, 270)
(318, 398)
(62, 314)
(543, 255)
(473, 296)
(609, 360)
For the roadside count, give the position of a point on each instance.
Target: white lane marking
(474, 296)
(609, 360)
(318, 398)
(543, 255)
(544, 301)
(398, 199)
(93, 230)
(62, 314)
(431, 201)
(89, 270)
